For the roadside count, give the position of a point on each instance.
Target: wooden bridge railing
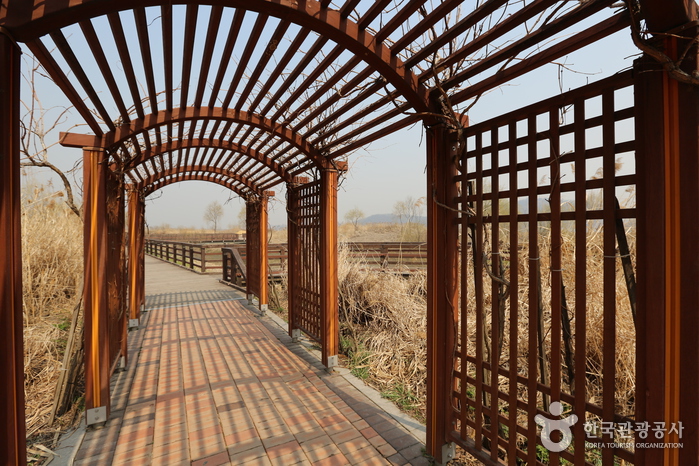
(199, 257)
(404, 257)
(234, 269)
(399, 257)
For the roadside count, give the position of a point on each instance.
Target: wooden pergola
(256, 94)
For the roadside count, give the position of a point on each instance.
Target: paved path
(211, 383)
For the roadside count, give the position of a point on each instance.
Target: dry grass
(383, 322)
(52, 277)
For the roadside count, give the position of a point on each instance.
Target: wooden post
(264, 256)
(667, 132)
(292, 261)
(329, 312)
(95, 293)
(12, 424)
(116, 264)
(135, 255)
(442, 287)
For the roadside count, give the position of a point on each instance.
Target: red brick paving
(209, 384)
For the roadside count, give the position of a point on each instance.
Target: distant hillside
(388, 218)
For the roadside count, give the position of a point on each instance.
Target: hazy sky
(388, 170)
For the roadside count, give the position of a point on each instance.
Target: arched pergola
(236, 183)
(252, 94)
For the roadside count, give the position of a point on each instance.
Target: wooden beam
(80, 141)
(664, 15)
(12, 415)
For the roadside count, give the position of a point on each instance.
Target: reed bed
(52, 277)
(383, 323)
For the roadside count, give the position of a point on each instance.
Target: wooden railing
(234, 270)
(396, 257)
(400, 257)
(230, 259)
(199, 257)
(197, 237)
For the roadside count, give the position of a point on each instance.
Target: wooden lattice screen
(548, 247)
(254, 246)
(304, 259)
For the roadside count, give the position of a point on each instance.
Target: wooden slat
(101, 59)
(207, 54)
(188, 53)
(125, 58)
(146, 56)
(49, 64)
(241, 67)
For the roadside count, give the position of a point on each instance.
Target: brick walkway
(210, 383)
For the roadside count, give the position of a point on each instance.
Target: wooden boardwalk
(209, 383)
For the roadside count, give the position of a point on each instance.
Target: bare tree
(213, 214)
(408, 210)
(242, 218)
(354, 216)
(37, 124)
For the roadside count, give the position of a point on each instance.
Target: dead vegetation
(52, 278)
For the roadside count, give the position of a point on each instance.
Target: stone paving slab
(210, 383)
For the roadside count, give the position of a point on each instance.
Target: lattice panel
(547, 224)
(304, 257)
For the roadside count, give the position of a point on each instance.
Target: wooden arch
(221, 173)
(164, 117)
(30, 20)
(215, 143)
(194, 176)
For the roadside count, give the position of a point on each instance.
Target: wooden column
(264, 275)
(116, 266)
(136, 254)
(12, 423)
(442, 286)
(329, 313)
(251, 235)
(256, 249)
(292, 258)
(667, 132)
(95, 294)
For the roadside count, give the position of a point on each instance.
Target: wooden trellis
(303, 204)
(540, 226)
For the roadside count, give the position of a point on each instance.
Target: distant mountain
(388, 218)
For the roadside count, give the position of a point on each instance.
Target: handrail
(198, 257)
